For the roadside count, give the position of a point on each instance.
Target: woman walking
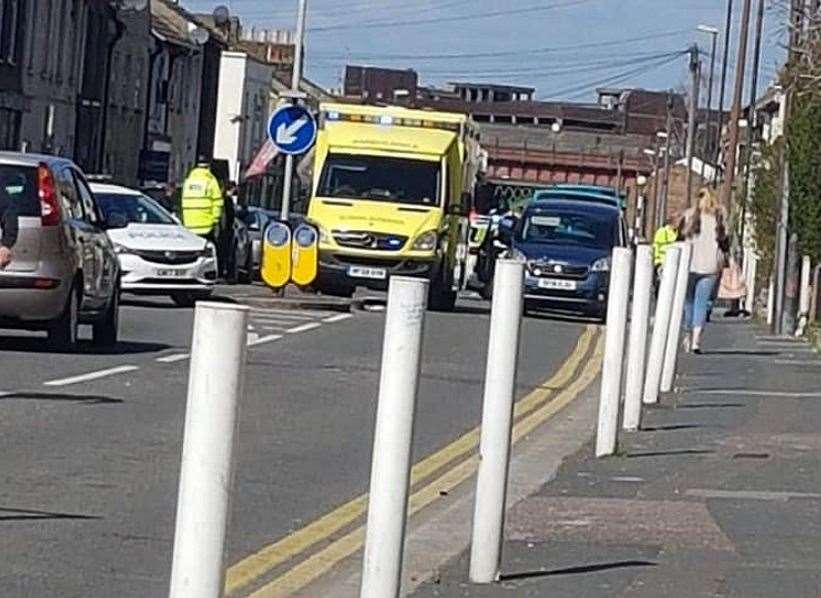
(704, 229)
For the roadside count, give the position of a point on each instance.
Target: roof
(170, 21)
(112, 189)
(494, 86)
(357, 137)
(25, 159)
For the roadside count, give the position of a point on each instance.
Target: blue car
(581, 193)
(566, 245)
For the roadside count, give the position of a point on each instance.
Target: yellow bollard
(276, 255)
(305, 255)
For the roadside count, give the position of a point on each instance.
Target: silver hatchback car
(64, 271)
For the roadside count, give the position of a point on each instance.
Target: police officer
(202, 201)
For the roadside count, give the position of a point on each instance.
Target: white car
(158, 256)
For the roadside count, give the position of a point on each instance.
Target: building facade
(243, 109)
(13, 27)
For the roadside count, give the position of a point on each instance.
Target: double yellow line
(529, 413)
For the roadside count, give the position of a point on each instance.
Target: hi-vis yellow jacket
(664, 238)
(202, 202)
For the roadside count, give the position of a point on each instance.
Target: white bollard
(617, 299)
(750, 267)
(668, 370)
(804, 296)
(661, 325)
(637, 346)
(771, 301)
(392, 443)
(497, 422)
(214, 389)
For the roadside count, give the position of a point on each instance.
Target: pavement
(718, 494)
(91, 441)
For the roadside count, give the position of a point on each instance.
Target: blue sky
(563, 48)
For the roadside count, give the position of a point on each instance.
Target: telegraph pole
(708, 136)
(727, 29)
(294, 95)
(695, 72)
(735, 113)
(751, 120)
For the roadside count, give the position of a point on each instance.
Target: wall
(243, 109)
(52, 69)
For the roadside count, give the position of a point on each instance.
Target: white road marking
(174, 358)
(92, 375)
(749, 494)
(274, 328)
(304, 328)
(251, 338)
(757, 393)
(337, 318)
(802, 362)
(626, 478)
(264, 339)
(275, 321)
(263, 313)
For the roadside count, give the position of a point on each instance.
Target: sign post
(274, 131)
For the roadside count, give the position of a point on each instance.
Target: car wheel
(246, 276)
(62, 334)
(187, 299)
(440, 296)
(104, 333)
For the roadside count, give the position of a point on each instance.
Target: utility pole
(695, 72)
(751, 120)
(294, 96)
(735, 113)
(708, 136)
(727, 29)
(661, 216)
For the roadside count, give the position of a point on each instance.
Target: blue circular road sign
(292, 129)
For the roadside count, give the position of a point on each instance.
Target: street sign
(292, 129)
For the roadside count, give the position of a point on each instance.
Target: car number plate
(170, 273)
(364, 272)
(556, 283)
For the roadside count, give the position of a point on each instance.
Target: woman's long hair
(707, 204)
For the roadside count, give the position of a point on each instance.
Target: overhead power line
(460, 18)
(505, 53)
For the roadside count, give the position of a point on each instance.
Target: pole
(804, 296)
(613, 352)
(708, 138)
(752, 120)
(661, 216)
(661, 325)
(296, 78)
(695, 73)
(668, 370)
(781, 236)
(214, 390)
(724, 64)
(791, 287)
(735, 113)
(392, 443)
(637, 346)
(497, 422)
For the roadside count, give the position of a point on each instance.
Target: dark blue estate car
(567, 246)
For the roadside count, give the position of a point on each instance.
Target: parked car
(239, 251)
(567, 247)
(158, 256)
(256, 220)
(580, 193)
(64, 270)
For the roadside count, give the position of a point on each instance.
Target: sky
(563, 48)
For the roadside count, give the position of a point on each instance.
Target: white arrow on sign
(286, 134)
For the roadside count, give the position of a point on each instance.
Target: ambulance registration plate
(366, 272)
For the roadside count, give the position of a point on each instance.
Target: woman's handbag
(732, 284)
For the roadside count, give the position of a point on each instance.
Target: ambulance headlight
(426, 241)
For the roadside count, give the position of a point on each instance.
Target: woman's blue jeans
(699, 296)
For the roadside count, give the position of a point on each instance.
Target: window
(69, 200)
(20, 184)
(87, 197)
(10, 11)
(568, 228)
(9, 129)
(137, 209)
(396, 180)
(127, 74)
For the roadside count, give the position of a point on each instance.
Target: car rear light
(49, 203)
(46, 283)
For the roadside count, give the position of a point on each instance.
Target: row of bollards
(215, 387)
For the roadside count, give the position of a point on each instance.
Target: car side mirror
(116, 220)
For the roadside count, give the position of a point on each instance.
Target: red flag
(261, 161)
